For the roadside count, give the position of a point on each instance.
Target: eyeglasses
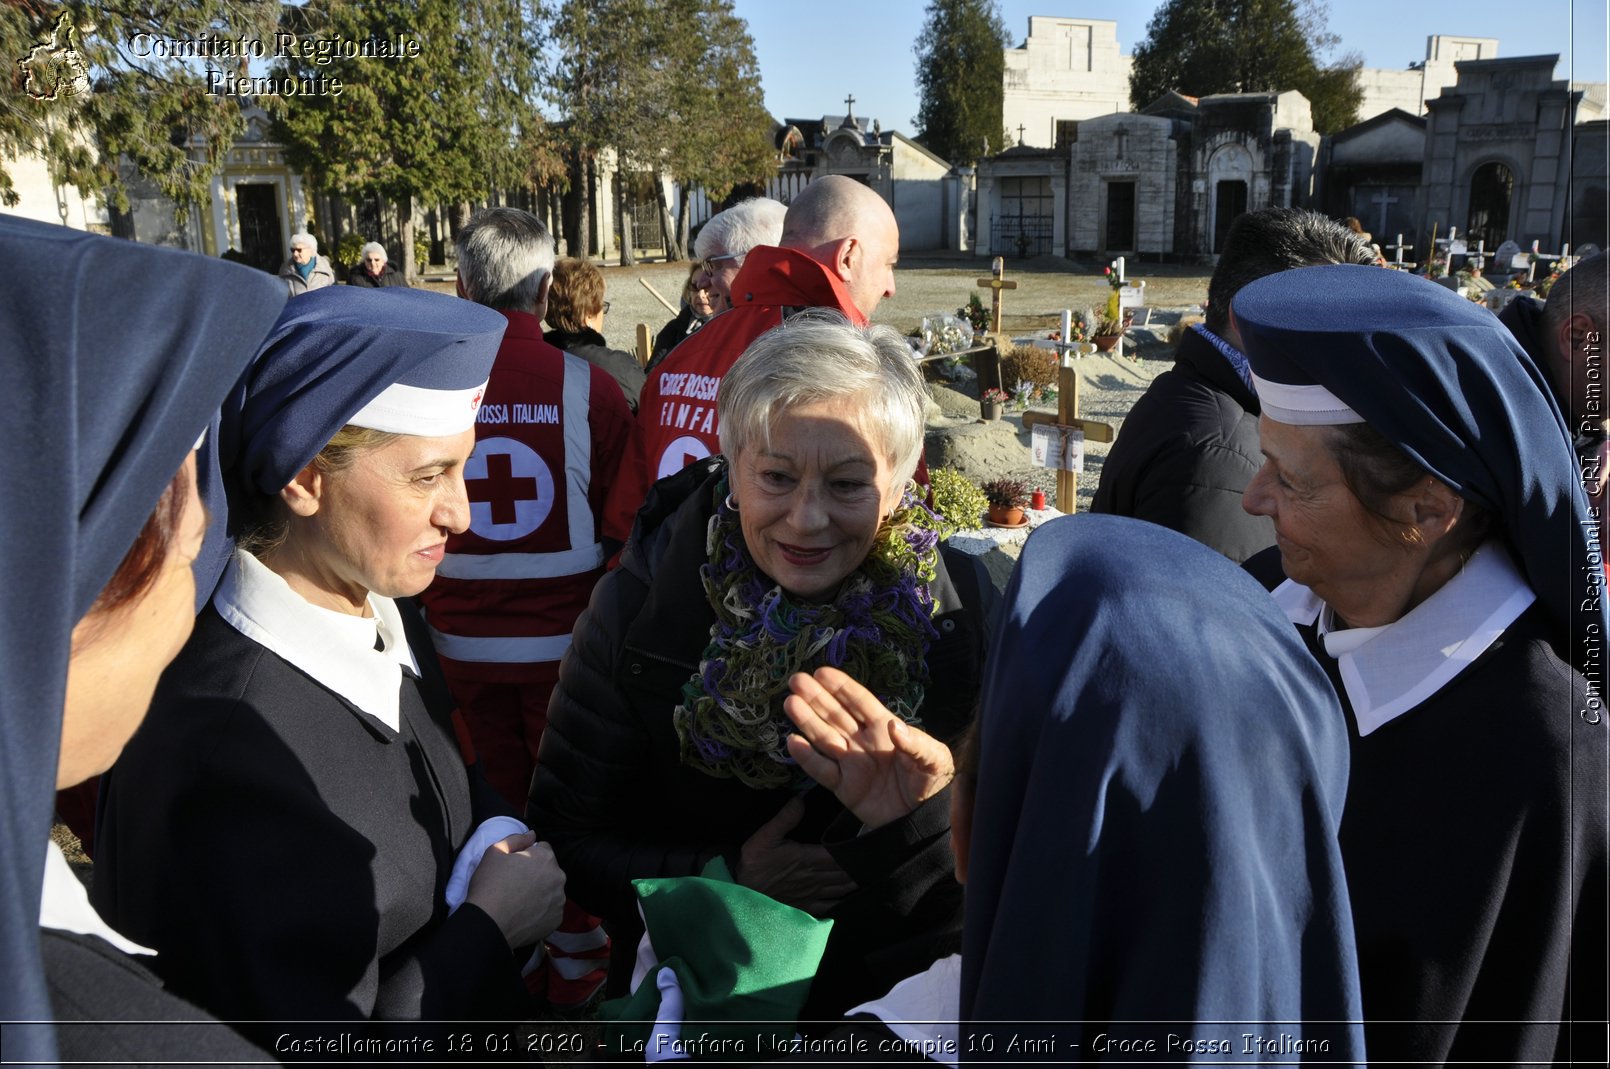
(606, 308)
(708, 264)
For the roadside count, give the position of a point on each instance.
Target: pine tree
(960, 68)
(88, 98)
(453, 123)
(1201, 47)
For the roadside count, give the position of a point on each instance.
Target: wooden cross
(1067, 418)
(996, 283)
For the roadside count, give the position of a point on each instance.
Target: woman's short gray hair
(305, 240)
(821, 356)
(756, 221)
(373, 246)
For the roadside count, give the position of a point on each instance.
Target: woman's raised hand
(878, 766)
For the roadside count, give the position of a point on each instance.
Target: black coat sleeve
(908, 904)
(593, 793)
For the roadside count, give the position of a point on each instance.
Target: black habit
(286, 854)
(1473, 838)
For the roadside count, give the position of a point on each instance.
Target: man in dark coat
(1190, 445)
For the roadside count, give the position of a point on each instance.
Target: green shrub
(421, 253)
(349, 250)
(957, 498)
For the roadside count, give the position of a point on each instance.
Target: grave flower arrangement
(943, 334)
(1078, 327)
(1007, 500)
(1113, 323)
(1025, 394)
(975, 313)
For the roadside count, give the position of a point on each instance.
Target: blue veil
(115, 356)
(1162, 768)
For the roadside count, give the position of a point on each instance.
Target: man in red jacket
(548, 438)
(840, 244)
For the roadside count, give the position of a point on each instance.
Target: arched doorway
(1229, 175)
(1490, 188)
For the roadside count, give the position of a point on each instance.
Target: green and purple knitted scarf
(877, 629)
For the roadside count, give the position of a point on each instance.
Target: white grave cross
(1398, 261)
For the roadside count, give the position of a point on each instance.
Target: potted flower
(1007, 500)
(991, 403)
(1108, 329)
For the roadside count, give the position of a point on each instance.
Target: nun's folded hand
(878, 766)
(794, 873)
(520, 886)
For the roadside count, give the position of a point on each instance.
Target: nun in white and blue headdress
(285, 829)
(115, 357)
(1152, 861)
(1438, 559)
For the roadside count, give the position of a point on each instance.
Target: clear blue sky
(813, 53)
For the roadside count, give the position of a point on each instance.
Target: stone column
(981, 218)
(1059, 214)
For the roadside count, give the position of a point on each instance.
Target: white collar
(921, 1008)
(1388, 670)
(336, 649)
(64, 906)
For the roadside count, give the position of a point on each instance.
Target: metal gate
(1025, 221)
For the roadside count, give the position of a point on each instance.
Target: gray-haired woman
(805, 545)
(373, 269)
(305, 270)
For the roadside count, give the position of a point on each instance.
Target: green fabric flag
(743, 960)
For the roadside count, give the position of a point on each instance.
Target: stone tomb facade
(1248, 151)
(1498, 151)
(1066, 69)
(1123, 184)
(1023, 203)
(929, 199)
(1372, 171)
(1166, 181)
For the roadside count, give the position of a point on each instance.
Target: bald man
(839, 247)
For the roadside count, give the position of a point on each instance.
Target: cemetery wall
(917, 194)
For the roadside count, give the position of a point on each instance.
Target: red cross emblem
(501, 488)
